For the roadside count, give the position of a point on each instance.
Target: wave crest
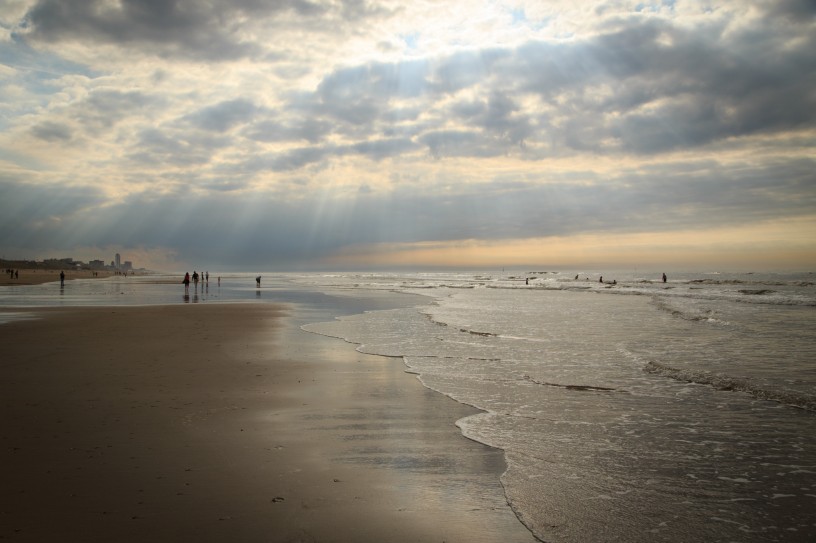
(725, 382)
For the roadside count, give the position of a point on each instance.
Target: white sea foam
(675, 398)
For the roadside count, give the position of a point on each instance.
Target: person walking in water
(258, 281)
(664, 277)
(62, 278)
(186, 282)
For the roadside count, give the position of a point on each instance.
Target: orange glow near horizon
(783, 245)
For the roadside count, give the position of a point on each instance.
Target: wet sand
(37, 277)
(229, 423)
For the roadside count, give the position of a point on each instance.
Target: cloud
(224, 115)
(216, 31)
(246, 228)
(51, 131)
(299, 128)
(272, 129)
(795, 11)
(172, 27)
(650, 95)
(103, 108)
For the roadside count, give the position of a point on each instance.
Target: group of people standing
(204, 278)
(614, 282)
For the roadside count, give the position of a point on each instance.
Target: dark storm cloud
(647, 87)
(665, 88)
(642, 87)
(451, 143)
(498, 115)
(308, 129)
(95, 114)
(52, 131)
(796, 11)
(464, 69)
(104, 108)
(363, 95)
(224, 115)
(36, 215)
(631, 90)
(251, 228)
(184, 28)
(381, 149)
(161, 148)
(300, 157)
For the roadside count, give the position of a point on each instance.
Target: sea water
(634, 411)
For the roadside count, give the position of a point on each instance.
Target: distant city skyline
(474, 134)
(94, 264)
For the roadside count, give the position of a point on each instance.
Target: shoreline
(227, 422)
(29, 276)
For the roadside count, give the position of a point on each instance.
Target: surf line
(570, 387)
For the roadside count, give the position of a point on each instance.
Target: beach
(641, 411)
(227, 422)
(26, 276)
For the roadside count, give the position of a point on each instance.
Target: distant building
(96, 264)
(127, 266)
(118, 261)
(59, 263)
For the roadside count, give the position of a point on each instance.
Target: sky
(356, 134)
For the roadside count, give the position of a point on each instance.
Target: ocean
(639, 411)
(633, 411)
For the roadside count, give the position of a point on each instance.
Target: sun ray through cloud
(310, 129)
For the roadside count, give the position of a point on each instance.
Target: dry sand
(228, 423)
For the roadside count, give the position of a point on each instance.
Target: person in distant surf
(664, 277)
(258, 281)
(195, 278)
(186, 282)
(62, 278)
(601, 279)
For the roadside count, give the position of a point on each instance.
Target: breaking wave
(723, 382)
(700, 314)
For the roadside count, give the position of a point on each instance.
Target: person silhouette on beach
(186, 282)
(258, 281)
(62, 278)
(664, 277)
(195, 279)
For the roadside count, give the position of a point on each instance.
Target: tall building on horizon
(118, 261)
